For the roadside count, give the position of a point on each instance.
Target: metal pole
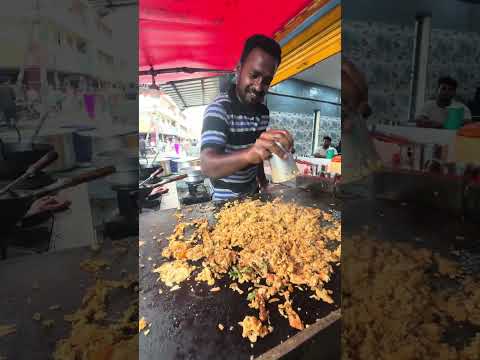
(418, 83)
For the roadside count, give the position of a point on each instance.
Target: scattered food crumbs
(230, 328)
(215, 289)
(234, 287)
(94, 265)
(161, 234)
(142, 324)
(160, 291)
(7, 330)
(154, 238)
(149, 258)
(175, 287)
(48, 323)
(146, 332)
(299, 309)
(221, 327)
(54, 307)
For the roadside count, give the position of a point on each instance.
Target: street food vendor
(435, 112)
(235, 140)
(326, 148)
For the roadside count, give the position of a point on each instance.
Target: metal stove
(197, 193)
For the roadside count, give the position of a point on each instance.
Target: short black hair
(327, 138)
(269, 45)
(447, 80)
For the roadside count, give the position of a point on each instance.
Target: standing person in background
(325, 148)
(176, 146)
(434, 113)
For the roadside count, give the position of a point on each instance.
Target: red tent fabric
(204, 34)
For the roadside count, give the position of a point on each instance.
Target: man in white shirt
(327, 145)
(435, 112)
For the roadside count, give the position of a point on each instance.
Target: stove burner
(197, 188)
(197, 194)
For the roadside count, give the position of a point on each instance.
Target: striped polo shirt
(229, 126)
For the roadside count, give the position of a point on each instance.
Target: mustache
(258, 93)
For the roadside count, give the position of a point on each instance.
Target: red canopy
(204, 34)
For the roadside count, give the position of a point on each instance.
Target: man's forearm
(215, 165)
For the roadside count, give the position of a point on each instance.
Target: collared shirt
(230, 126)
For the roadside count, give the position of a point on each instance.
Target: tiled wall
(384, 53)
(458, 55)
(298, 116)
(299, 125)
(330, 126)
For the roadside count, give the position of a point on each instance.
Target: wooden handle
(44, 161)
(68, 183)
(92, 175)
(163, 182)
(156, 172)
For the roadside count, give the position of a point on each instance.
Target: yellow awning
(318, 42)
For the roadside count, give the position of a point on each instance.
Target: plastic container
(283, 170)
(454, 119)
(330, 154)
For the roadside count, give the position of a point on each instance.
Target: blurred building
(160, 117)
(62, 37)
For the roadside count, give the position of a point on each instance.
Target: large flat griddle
(184, 322)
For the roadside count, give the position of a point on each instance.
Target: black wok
(15, 158)
(14, 207)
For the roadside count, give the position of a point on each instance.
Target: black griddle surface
(184, 322)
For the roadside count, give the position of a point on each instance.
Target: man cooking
(435, 112)
(327, 145)
(235, 140)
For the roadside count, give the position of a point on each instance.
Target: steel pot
(185, 163)
(194, 174)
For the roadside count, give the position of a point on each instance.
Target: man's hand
(266, 145)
